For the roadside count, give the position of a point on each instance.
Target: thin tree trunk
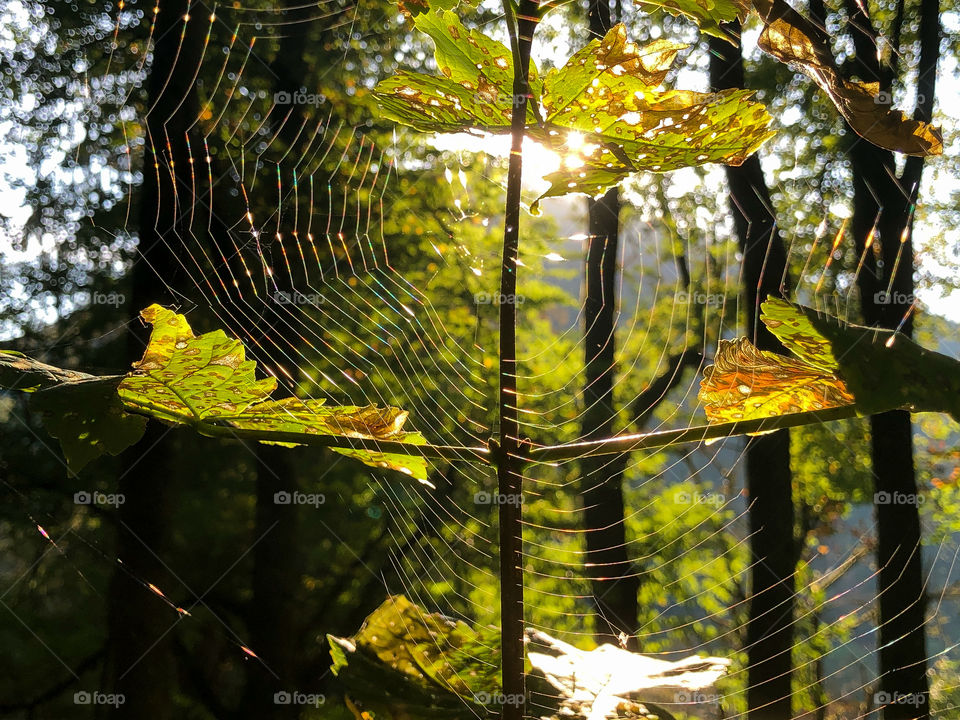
(140, 661)
(614, 585)
(882, 227)
(601, 484)
(768, 475)
(881, 209)
(509, 456)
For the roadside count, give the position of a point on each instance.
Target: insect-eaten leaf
(792, 38)
(408, 663)
(602, 112)
(708, 14)
(82, 411)
(836, 364)
(206, 380)
(89, 419)
(412, 8)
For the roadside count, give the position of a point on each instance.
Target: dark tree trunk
(272, 616)
(768, 476)
(601, 485)
(140, 663)
(881, 210)
(614, 585)
(882, 227)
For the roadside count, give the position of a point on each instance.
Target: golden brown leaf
(792, 38)
(746, 383)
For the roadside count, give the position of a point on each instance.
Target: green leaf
(206, 380)
(475, 90)
(607, 95)
(602, 111)
(413, 465)
(793, 328)
(792, 38)
(601, 60)
(883, 370)
(432, 104)
(465, 56)
(183, 378)
(407, 663)
(708, 14)
(88, 419)
(312, 417)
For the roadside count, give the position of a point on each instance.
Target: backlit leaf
(836, 364)
(794, 329)
(792, 38)
(433, 104)
(192, 380)
(602, 112)
(566, 88)
(882, 369)
(708, 14)
(312, 417)
(183, 378)
(745, 383)
(474, 90)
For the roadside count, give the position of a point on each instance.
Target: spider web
(293, 222)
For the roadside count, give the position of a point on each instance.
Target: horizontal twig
(666, 438)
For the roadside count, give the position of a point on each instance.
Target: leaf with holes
(602, 111)
(207, 380)
(474, 91)
(708, 14)
(662, 131)
(606, 97)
